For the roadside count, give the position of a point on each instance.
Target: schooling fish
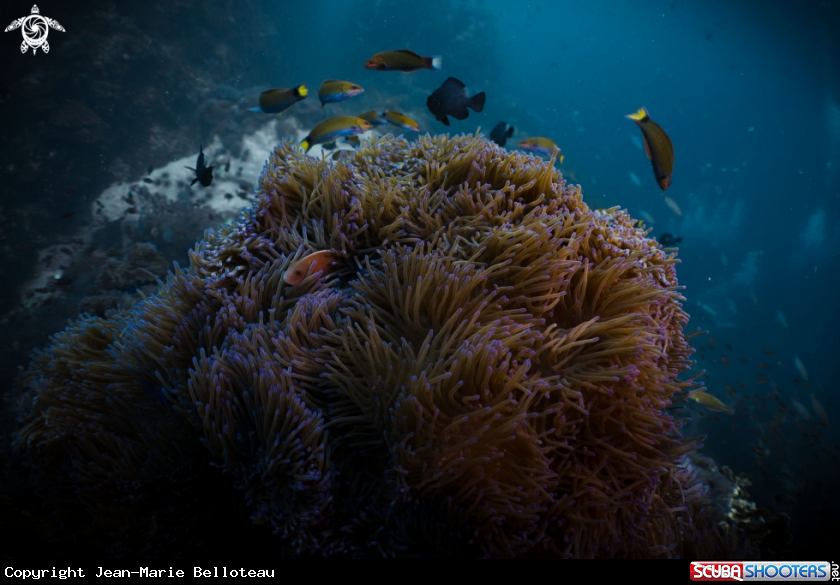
(450, 99)
(203, 173)
(800, 408)
(274, 101)
(500, 133)
(332, 91)
(658, 147)
(800, 368)
(332, 128)
(819, 410)
(673, 205)
(540, 145)
(669, 240)
(375, 117)
(711, 402)
(401, 120)
(402, 60)
(315, 262)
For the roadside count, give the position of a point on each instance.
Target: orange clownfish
(315, 262)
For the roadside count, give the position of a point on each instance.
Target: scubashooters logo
(791, 571)
(35, 29)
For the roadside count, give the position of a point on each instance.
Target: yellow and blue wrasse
(540, 145)
(711, 402)
(401, 120)
(351, 140)
(333, 128)
(658, 147)
(402, 60)
(375, 117)
(332, 91)
(274, 101)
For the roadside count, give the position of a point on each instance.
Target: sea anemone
(493, 369)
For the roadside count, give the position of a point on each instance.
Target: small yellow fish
(541, 145)
(673, 205)
(315, 262)
(375, 117)
(711, 402)
(401, 120)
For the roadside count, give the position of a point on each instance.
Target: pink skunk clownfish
(310, 264)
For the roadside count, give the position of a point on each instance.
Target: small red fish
(742, 385)
(762, 380)
(768, 352)
(315, 262)
(763, 365)
(725, 360)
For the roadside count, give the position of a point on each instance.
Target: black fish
(669, 240)
(203, 173)
(450, 99)
(67, 214)
(501, 133)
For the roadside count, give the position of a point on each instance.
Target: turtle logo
(35, 28)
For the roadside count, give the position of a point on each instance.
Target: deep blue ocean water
(749, 93)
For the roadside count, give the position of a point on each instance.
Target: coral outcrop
(492, 370)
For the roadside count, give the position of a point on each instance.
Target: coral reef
(119, 279)
(493, 369)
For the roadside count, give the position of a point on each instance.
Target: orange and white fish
(315, 262)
